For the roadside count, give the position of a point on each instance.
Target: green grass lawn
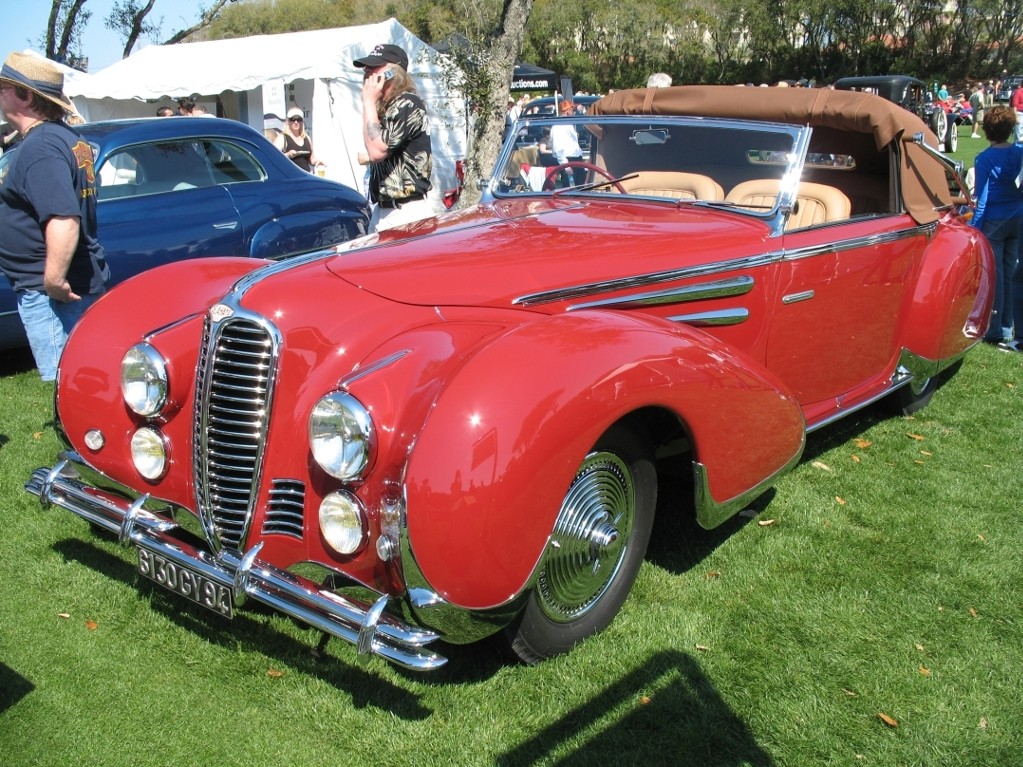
(871, 614)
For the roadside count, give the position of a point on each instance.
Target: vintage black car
(1009, 84)
(912, 94)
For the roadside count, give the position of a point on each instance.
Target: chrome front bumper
(365, 625)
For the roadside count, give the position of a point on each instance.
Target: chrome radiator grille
(235, 376)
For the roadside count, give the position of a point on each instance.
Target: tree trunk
(487, 119)
(136, 28)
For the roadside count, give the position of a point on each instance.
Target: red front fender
(488, 473)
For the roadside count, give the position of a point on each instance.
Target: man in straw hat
(48, 245)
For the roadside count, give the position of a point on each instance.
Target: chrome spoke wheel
(595, 548)
(590, 538)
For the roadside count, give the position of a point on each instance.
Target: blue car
(187, 187)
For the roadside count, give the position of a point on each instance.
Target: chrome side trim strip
(736, 286)
(867, 241)
(719, 318)
(69, 485)
(795, 298)
(643, 280)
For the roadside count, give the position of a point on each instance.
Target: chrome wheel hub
(590, 538)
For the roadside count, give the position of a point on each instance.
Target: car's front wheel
(595, 550)
(939, 124)
(952, 137)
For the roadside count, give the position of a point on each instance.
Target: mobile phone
(388, 74)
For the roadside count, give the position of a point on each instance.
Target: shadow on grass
(13, 687)
(666, 712)
(365, 687)
(13, 361)
(678, 543)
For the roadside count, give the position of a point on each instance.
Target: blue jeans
(47, 325)
(1004, 236)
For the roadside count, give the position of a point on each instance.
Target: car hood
(496, 253)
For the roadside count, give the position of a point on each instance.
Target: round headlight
(341, 522)
(144, 380)
(149, 453)
(341, 436)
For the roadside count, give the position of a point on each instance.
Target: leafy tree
(129, 18)
(63, 38)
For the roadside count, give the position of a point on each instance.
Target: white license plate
(186, 582)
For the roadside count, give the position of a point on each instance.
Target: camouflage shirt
(405, 172)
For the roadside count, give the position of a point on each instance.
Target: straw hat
(38, 75)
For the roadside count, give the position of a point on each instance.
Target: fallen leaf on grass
(973, 612)
(63, 615)
(855, 457)
(981, 536)
(917, 437)
(887, 719)
(644, 700)
(920, 647)
(1010, 385)
(928, 453)
(840, 500)
(983, 723)
(274, 673)
(821, 465)
(702, 648)
(37, 435)
(848, 692)
(765, 522)
(91, 625)
(713, 574)
(862, 443)
(925, 671)
(919, 462)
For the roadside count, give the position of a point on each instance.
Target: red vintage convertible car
(459, 428)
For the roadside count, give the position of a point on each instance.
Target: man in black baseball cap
(396, 133)
(384, 54)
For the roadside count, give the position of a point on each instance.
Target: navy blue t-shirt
(49, 173)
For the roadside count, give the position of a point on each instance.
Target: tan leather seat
(815, 203)
(678, 186)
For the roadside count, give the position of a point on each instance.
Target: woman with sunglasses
(295, 142)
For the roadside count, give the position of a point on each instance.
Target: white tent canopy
(313, 69)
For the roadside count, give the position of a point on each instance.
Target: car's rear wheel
(595, 550)
(916, 395)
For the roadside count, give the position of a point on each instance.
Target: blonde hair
(401, 83)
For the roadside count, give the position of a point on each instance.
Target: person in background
(999, 215)
(200, 111)
(396, 132)
(977, 106)
(1016, 102)
(164, 112)
(48, 246)
(565, 145)
(943, 92)
(659, 80)
(185, 106)
(296, 144)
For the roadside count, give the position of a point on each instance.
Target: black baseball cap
(384, 54)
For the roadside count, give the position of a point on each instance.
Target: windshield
(678, 159)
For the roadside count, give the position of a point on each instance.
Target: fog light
(341, 522)
(149, 453)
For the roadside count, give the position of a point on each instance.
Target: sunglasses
(294, 119)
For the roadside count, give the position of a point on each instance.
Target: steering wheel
(552, 174)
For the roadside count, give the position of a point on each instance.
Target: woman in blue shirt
(999, 215)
